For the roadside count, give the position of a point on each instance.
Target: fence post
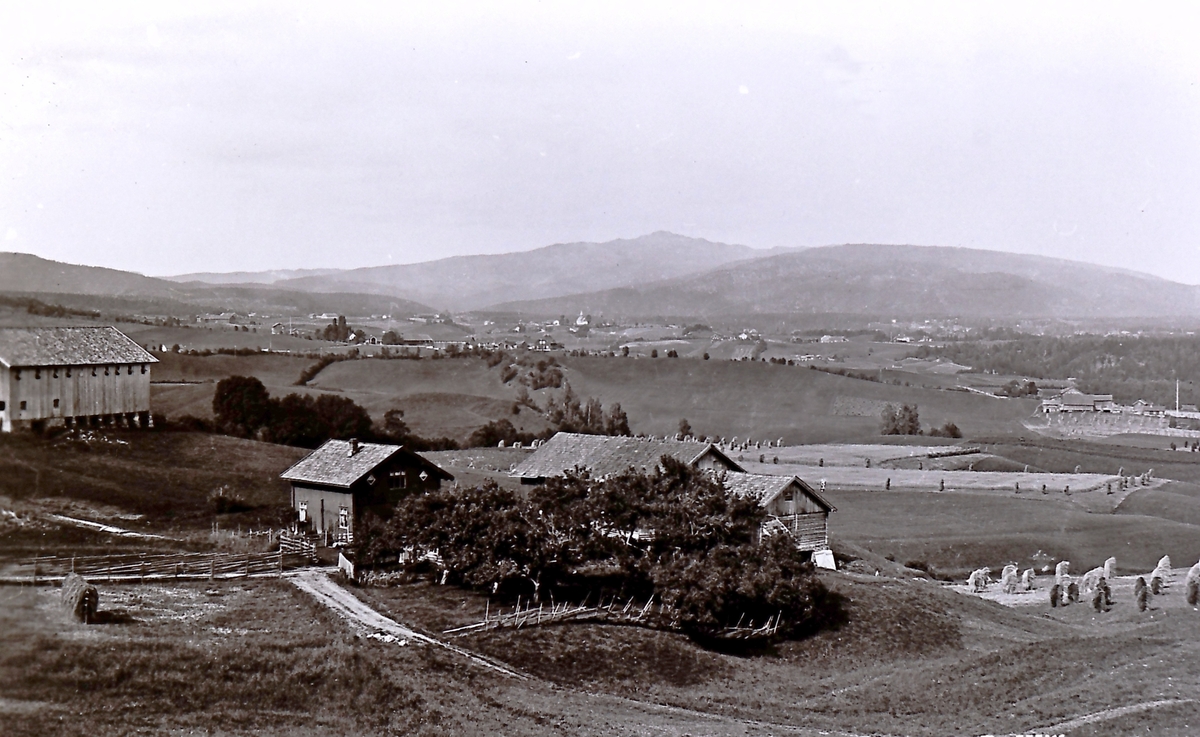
(211, 568)
(247, 565)
(280, 564)
(35, 570)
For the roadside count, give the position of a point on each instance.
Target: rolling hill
(887, 280)
(472, 282)
(110, 290)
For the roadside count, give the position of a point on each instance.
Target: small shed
(605, 455)
(792, 506)
(335, 484)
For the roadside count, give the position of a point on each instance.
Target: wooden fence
(138, 567)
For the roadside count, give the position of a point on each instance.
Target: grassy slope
(913, 659)
(165, 476)
(718, 397)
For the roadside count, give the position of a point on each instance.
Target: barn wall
(712, 462)
(793, 500)
(81, 391)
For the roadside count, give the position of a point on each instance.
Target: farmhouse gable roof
(767, 489)
(604, 455)
(333, 464)
(69, 346)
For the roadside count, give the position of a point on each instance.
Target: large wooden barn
(335, 484)
(73, 376)
(792, 506)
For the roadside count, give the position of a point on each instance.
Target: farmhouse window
(56, 373)
(55, 404)
(131, 370)
(371, 479)
(37, 373)
(343, 518)
(93, 370)
(1, 405)
(106, 370)
(303, 511)
(143, 368)
(22, 404)
(68, 373)
(397, 480)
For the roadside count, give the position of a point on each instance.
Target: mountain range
(656, 275)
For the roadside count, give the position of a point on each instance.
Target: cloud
(743, 90)
(10, 234)
(575, 56)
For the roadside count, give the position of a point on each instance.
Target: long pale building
(74, 376)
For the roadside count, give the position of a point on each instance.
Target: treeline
(1128, 367)
(566, 413)
(906, 420)
(38, 307)
(577, 536)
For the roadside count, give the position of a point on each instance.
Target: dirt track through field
(1107, 714)
(319, 586)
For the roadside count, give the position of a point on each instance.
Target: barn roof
(333, 465)
(766, 488)
(605, 455)
(71, 346)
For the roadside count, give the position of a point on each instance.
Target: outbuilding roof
(605, 455)
(767, 488)
(69, 346)
(334, 465)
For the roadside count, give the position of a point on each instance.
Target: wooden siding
(792, 501)
(811, 531)
(323, 507)
(81, 391)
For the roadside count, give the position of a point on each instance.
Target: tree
(242, 405)
(685, 429)
(390, 338)
(341, 417)
(654, 353)
(902, 421)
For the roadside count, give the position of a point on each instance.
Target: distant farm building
(1076, 401)
(73, 376)
(604, 455)
(335, 484)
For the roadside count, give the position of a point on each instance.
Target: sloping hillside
(895, 281)
(471, 282)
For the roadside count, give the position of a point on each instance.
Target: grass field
(145, 481)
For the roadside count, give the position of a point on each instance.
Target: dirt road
(318, 584)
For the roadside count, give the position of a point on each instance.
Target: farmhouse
(792, 506)
(604, 455)
(72, 376)
(1076, 401)
(335, 484)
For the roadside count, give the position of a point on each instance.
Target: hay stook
(79, 598)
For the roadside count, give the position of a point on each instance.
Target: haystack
(79, 598)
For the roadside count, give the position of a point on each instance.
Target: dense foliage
(1128, 367)
(902, 420)
(674, 534)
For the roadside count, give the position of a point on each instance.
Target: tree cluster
(674, 534)
(244, 407)
(902, 420)
(568, 414)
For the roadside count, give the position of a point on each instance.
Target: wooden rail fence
(138, 567)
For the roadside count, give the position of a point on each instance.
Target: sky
(173, 138)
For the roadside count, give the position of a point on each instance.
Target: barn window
(106, 370)
(56, 373)
(37, 373)
(143, 368)
(1, 405)
(68, 373)
(55, 404)
(17, 374)
(93, 370)
(131, 370)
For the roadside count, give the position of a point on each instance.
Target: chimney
(353, 446)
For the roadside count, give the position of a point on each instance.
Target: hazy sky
(168, 139)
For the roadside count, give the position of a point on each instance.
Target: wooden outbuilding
(793, 507)
(605, 455)
(335, 484)
(73, 376)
